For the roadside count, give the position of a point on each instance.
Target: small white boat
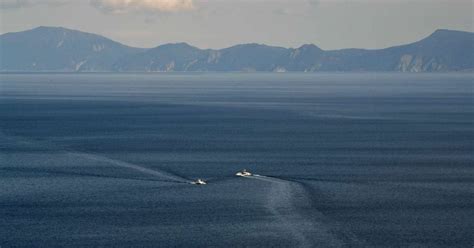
(243, 173)
(199, 182)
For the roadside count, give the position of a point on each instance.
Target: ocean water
(343, 160)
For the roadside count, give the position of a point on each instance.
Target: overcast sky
(330, 24)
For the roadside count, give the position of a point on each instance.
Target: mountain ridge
(67, 50)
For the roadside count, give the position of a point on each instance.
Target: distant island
(56, 49)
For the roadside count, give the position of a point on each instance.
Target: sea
(338, 160)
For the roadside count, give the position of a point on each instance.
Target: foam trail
(44, 144)
(76, 174)
(269, 179)
(285, 201)
(124, 164)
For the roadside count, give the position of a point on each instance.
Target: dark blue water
(346, 160)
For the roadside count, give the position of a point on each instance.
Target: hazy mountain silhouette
(61, 49)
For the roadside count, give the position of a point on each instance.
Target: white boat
(243, 173)
(199, 182)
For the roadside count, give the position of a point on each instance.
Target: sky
(329, 24)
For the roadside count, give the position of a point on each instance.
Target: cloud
(13, 4)
(16, 4)
(126, 6)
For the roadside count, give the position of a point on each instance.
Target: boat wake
(123, 164)
(169, 177)
(291, 205)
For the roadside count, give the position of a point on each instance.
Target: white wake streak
(285, 201)
(98, 158)
(127, 165)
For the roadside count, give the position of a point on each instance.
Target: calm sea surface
(344, 160)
